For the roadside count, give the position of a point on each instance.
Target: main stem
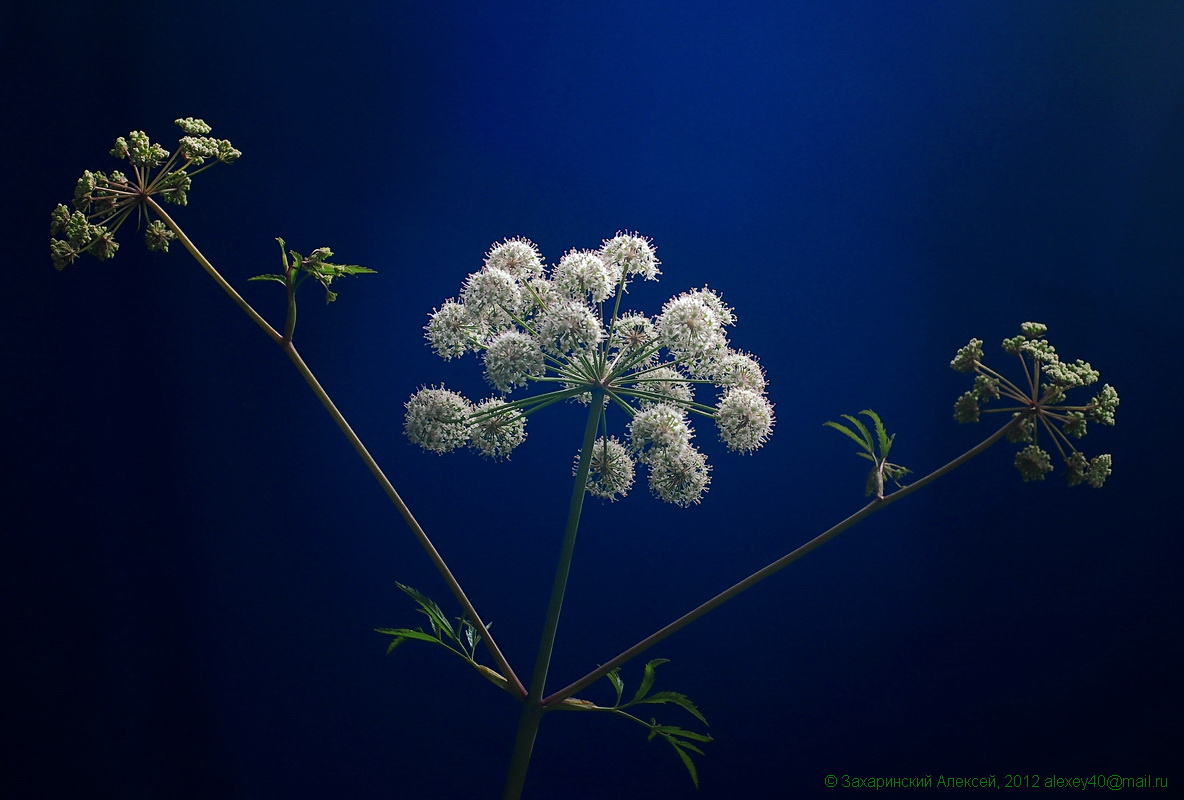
(532, 708)
(776, 566)
(286, 345)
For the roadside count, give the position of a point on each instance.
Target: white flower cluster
(565, 331)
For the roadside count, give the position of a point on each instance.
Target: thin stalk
(405, 512)
(289, 350)
(213, 273)
(762, 574)
(532, 710)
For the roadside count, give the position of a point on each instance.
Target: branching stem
(306, 373)
(760, 575)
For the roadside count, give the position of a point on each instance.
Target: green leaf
(428, 608)
(283, 255)
(881, 433)
(682, 733)
(686, 761)
(470, 634)
(674, 735)
(614, 678)
(863, 431)
(843, 429)
(647, 678)
(408, 633)
(336, 270)
(677, 699)
(276, 278)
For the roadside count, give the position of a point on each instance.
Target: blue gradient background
(198, 559)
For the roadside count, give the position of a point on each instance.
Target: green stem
(290, 286)
(762, 574)
(532, 709)
(426, 543)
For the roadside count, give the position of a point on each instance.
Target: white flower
(518, 256)
(738, 369)
(723, 312)
(510, 358)
(540, 294)
(679, 475)
(632, 254)
(690, 328)
(582, 272)
(568, 326)
(557, 331)
(451, 331)
(632, 334)
(437, 419)
(745, 419)
(667, 382)
(611, 470)
(496, 433)
(661, 426)
(493, 295)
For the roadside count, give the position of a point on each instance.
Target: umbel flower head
(1041, 404)
(563, 330)
(103, 202)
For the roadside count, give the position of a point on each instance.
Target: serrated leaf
(687, 762)
(677, 699)
(337, 270)
(276, 278)
(843, 429)
(470, 634)
(881, 433)
(647, 678)
(614, 678)
(868, 443)
(432, 611)
(682, 733)
(408, 633)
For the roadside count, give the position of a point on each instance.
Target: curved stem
(532, 708)
(762, 574)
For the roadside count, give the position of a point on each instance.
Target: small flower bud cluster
(563, 329)
(103, 202)
(1041, 404)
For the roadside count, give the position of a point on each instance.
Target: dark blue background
(198, 558)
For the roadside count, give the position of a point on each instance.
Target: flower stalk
(532, 707)
(771, 569)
